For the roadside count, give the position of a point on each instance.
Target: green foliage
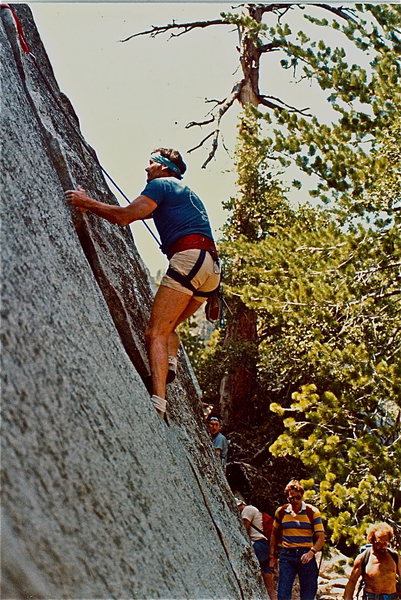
(192, 339)
(354, 452)
(327, 300)
(211, 368)
(339, 327)
(362, 78)
(260, 200)
(324, 283)
(253, 28)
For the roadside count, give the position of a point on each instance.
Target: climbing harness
(214, 304)
(185, 280)
(26, 49)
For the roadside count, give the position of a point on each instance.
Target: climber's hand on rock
(78, 199)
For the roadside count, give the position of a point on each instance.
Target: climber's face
(155, 170)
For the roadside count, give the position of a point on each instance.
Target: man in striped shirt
(299, 527)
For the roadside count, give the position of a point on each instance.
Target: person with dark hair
(300, 528)
(219, 440)
(378, 566)
(186, 238)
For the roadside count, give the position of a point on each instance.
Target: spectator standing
(253, 521)
(378, 566)
(300, 527)
(219, 441)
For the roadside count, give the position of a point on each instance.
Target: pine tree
(335, 149)
(328, 301)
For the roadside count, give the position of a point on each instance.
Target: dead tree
(251, 49)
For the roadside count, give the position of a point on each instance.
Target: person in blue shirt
(186, 238)
(219, 440)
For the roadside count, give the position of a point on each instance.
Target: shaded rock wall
(100, 498)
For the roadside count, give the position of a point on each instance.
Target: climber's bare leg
(170, 308)
(174, 340)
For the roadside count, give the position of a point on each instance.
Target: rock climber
(378, 567)
(187, 240)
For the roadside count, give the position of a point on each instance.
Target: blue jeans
(289, 566)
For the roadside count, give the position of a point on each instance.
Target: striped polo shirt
(297, 530)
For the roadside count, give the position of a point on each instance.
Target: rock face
(100, 498)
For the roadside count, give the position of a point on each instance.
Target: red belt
(191, 242)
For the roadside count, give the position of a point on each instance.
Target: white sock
(159, 403)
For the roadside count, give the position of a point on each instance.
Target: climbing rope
(20, 31)
(26, 49)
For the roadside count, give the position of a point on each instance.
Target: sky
(135, 96)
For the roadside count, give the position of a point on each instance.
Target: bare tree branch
(276, 8)
(224, 106)
(272, 47)
(158, 29)
(201, 123)
(201, 142)
(213, 150)
(217, 102)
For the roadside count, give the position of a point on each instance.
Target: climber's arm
(140, 208)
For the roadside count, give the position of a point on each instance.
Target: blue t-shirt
(179, 211)
(220, 441)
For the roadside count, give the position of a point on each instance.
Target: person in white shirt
(253, 521)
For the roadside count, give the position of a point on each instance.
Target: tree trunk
(238, 385)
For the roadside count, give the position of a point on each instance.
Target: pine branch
(338, 11)
(265, 102)
(376, 296)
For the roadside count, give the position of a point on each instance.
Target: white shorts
(205, 280)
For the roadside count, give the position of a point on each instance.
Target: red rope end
(22, 40)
